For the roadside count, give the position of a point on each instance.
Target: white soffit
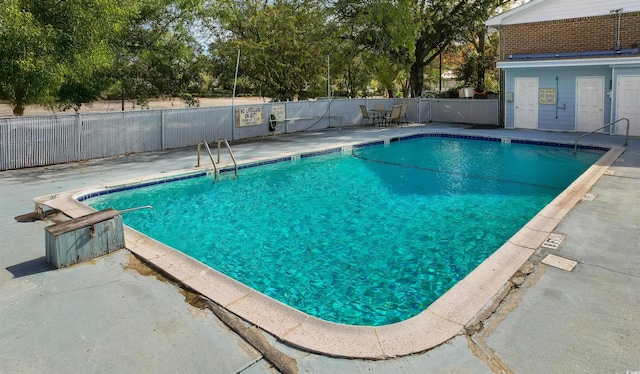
(551, 10)
(616, 61)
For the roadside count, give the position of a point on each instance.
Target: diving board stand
(85, 238)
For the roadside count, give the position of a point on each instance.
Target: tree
(445, 21)
(480, 56)
(157, 53)
(47, 44)
(284, 45)
(382, 32)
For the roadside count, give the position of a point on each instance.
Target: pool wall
(445, 318)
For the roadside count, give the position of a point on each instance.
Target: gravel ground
(115, 105)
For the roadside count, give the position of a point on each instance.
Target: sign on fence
(249, 116)
(278, 112)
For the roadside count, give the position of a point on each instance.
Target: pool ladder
(215, 168)
(626, 136)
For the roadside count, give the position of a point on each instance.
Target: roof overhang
(611, 62)
(499, 20)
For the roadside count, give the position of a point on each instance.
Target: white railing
(46, 140)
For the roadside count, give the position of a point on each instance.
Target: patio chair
(403, 113)
(368, 116)
(394, 117)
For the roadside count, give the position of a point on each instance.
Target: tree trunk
(18, 107)
(417, 79)
(18, 110)
(480, 66)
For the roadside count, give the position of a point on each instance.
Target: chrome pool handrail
(226, 143)
(626, 137)
(215, 168)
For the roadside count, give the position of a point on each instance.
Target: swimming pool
(375, 211)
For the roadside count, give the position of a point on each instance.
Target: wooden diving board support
(85, 238)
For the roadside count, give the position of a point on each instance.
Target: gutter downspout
(612, 94)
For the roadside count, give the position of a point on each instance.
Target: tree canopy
(66, 53)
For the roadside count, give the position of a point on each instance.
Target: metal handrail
(215, 168)
(226, 143)
(626, 137)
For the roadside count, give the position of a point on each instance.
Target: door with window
(526, 103)
(628, 98)
(589, 103)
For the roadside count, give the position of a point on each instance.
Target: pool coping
(441, 321)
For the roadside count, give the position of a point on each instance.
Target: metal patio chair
(403, 114)
(394, 117)
(368, 116)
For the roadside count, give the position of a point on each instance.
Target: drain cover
(610, 172)
(553, 241)
(589, 196)
(559, 262)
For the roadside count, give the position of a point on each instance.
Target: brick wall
(571, 35)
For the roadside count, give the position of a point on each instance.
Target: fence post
(77, 138)
(5, 143)
(162, 145)
(286, 130)
(233, 123)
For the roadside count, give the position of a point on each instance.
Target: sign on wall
(548, 96)
(249, 116)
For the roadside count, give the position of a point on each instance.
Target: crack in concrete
(488, 356)
(611, 270)
(476, 337)
(252, 335)
(249, 333)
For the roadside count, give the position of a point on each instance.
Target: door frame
(601, 77)
(620, 128)
(515, 103)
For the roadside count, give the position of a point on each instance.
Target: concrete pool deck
(147, 332)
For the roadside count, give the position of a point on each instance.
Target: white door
(526, 101)
(589, 103)
(628, 97)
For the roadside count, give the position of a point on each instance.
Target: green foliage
(52, 45)
(380, 33)
(65, 53)
(443, 22)
(481, 54)
(157, 54)
(284, 46)
(29, 69)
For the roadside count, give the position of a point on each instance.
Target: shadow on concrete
(35, 266)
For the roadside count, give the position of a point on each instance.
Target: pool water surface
(370, 237)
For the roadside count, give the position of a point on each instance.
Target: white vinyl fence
(46, 140)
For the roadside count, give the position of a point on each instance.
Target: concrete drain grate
(559, 262)
(610, 172)
(553, 241)
(589, 196)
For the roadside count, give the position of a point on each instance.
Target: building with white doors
(570, 65)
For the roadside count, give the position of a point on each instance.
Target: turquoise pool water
(368, 238)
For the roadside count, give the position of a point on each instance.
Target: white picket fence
(46, 140)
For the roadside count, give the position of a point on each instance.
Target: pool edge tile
(528, 238)
(417, 334)
(267, 313)
(179, 266)
(217, 287)
(335, 339)
(467, 298)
